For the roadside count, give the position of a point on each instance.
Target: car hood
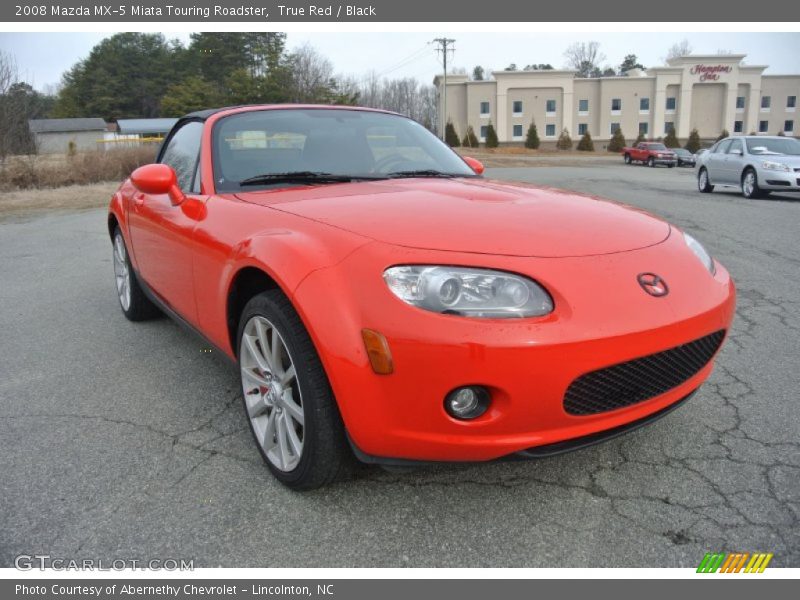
(472, 215)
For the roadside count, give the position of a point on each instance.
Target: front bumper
(779, 180)
(527, 364)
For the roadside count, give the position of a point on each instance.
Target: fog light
(468, 402)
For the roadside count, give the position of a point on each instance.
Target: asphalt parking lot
(122, 440)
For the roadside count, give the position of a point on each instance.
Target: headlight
(770, 165)
(700, 253)
(468, 292)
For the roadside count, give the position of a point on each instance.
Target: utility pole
(445, 46)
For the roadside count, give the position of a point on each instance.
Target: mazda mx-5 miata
(384, 301)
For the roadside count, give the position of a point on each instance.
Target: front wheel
(627, 159)
(750, 188)
(288, 400)
(703, 183)
(651, 162)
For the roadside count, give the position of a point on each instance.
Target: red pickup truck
(651, 154)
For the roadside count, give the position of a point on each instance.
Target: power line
(445, 46)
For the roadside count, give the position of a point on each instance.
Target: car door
(161, 233)
(716, 161)
(734, 162)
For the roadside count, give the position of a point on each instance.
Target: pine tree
(617, 142)
(671, 140)
(470, 139)
(450, 135)
(723, 135)
(639, 139)
(586, 144)
(491, 137)
(564, 141)
(532, 140)
(693, 143)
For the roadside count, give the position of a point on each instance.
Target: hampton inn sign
(710, 93)
(709, 72)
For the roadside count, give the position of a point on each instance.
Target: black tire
(670, 166)
(326, 455)
(651, 162)
(703, 182)
(628, 159)
(756, 191)
(140, 308)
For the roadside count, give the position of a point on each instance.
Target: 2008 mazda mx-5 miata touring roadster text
(384, 301)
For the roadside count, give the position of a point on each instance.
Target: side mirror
(474, 164)
(158, 179)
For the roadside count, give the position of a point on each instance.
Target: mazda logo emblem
(653, 284)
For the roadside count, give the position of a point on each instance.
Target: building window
(484, 131)
(738, 126)
(642, 128)
(485, 109)
(550, 130)
(791, 102)
(644, 105)
(765, 102)
(739, 102)
(517, 133)
(788, 126)
(517, 107)
(763, 126)
(616, 105)
(669, 126)
(551, 107)
(671, 103)
(583, 106)
(614, 128)
(583, 128)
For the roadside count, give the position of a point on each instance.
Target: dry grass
(72, 197)
(515, 156)
(54, 171)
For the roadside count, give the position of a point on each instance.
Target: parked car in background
(758, 165)
(685, 157)
(651, 154)
(382, 301)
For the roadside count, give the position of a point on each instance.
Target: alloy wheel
(703, 182)
(749, 184)
(122, 273)
(272, 395)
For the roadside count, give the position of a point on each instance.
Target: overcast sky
(43, 57)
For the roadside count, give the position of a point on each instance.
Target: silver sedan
(757, 165)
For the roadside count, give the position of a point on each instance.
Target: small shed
(54, 136)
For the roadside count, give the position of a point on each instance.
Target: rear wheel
(651, 162)
(288, 400)
(703, 183)
(136, 306)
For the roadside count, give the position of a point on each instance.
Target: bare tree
(679, 49)
(8, 76)
(405, 96)
(312, 74)
(585, 58)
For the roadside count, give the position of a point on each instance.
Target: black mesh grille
(639, 379)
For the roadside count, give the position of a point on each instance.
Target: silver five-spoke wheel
(272, 396)
(122, 272)
(749, 183)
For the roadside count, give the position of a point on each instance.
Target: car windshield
(773, 146)
(289, 146)
(656, 147)
(681, 151)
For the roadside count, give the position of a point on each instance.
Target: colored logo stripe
(734, 562)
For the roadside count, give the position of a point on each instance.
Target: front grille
(640, 379)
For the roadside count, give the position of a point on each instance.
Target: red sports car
(382, 300)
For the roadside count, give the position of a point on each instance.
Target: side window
(182, 154)
(723, 147)
(735, 145)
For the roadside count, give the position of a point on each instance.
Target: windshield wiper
(421, 173)
(298, 177)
